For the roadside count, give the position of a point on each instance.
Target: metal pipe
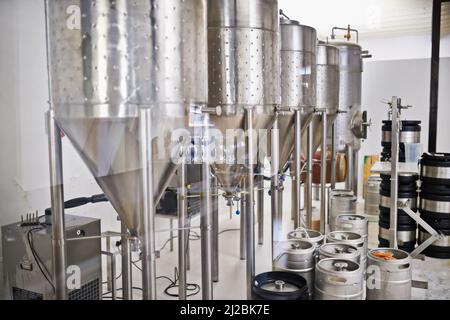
(188, 247)
(171, 235)
(108, 266)
(59, 254)
(126, 264)
(147, 214)
(206, 212)
(242, 247)
(308, 185)
(333, 159)
(355, 172)
(260, 186)
(434, 75)
(350, 168)
(274, 184)
(297, 162)
(250, 204)
(215, 230)
(323, 176)
(112, 273)
(182, 217)
(394, 173)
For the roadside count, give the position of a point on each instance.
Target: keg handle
(346, 225)
(336, 280)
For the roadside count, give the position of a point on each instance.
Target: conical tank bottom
(287, 135)
(110, 149)
(230, 171)
(317, 130)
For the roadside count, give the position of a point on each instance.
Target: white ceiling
(373, 18)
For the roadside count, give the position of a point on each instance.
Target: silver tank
(338, 279)
(298, 80)
(341, 203)
(389, 279)
(312, 236)
(350, 70)
(353, 239)
(297, 256)
(107, 59)
(243, 71)
(372, 196)
(354, 223)
(339, 250)
(327, 88)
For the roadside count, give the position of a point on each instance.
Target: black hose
(81, 201)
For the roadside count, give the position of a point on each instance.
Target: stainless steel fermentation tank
(243, 70)
(351, 122)
(298, 100)
(123, 77)
(327, 105)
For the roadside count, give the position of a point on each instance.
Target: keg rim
(310, 249)
(356, 237)
(363, 218)
(320, 266)
(354, 254)
(313, 235)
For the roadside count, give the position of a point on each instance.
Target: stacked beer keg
(434, 204)
(406, 226)
(409, 133)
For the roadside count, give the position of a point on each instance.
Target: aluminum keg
(312, 236)
(338, 279)
(439, 248)
(410, 133)
(372, 195)
(341, 203)
(353, 239)
(434, 206)
(388, 274)
(435, 168)
(353, 222)
(406, 236)
(297, 256)
(339, 250)
(278, 285)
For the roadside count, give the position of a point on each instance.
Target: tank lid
(344, 44)
(285, 21)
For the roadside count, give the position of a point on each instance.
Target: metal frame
(274, 187)
(148, 212)
(434, 235)
(396, 204)
(249, 199)
(206, 214)
(183, 232)
(59, 250)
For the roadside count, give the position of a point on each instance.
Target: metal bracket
(434, 234)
